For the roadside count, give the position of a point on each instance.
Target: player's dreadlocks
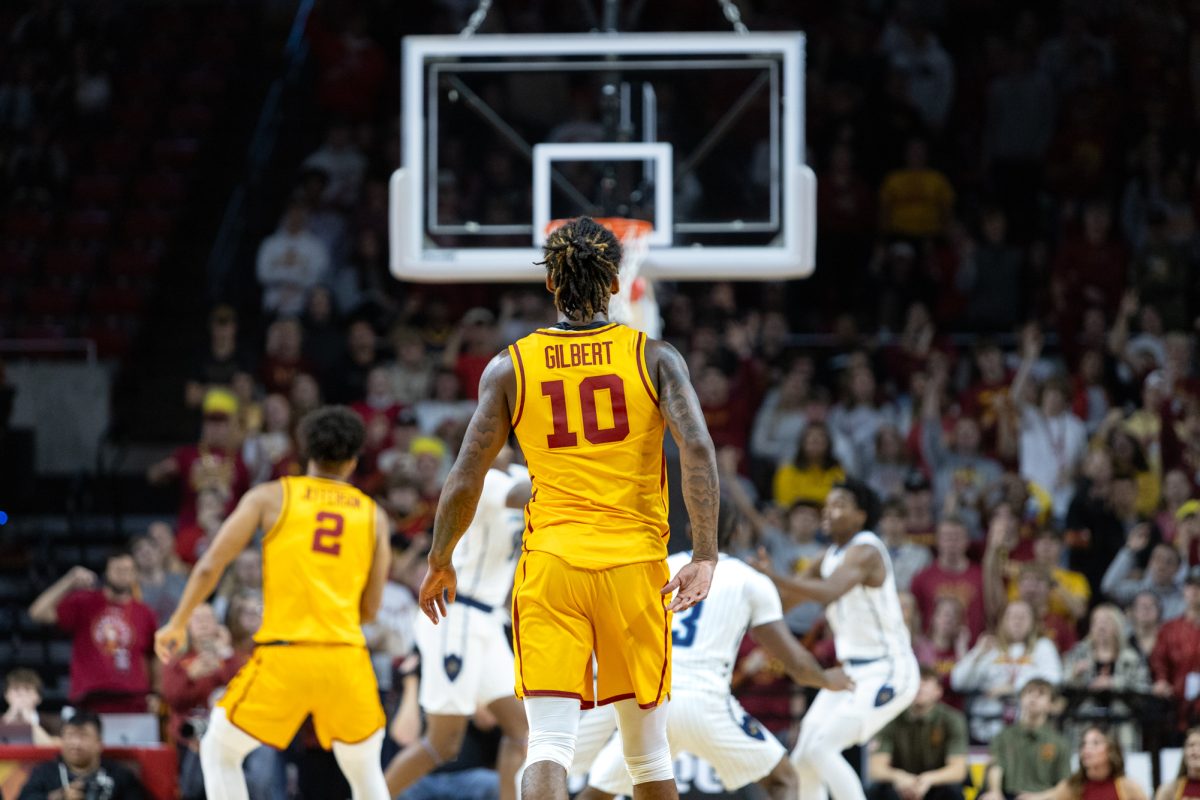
(582, 257)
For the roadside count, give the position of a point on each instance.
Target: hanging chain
(477, 17)
(734, 15)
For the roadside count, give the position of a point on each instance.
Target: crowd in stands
(1008, 315)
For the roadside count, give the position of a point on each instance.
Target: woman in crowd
(1101, 773)
(1106, 662)
(1145, 616)
(947, 644)
(812, 473)
(1188, 782)
(998, 666)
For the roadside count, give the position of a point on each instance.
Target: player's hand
(169, 641)
(437, 589)
(836, 680)
(692, 582)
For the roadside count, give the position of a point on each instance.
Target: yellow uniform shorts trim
(563, 614)
(281, 685)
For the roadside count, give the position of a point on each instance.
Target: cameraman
(79, 773)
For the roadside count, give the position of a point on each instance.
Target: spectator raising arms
(112, 651)
(1052, 439)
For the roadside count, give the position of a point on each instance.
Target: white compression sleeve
(553, 726)
(363, 768)
(222, 751)
(644, 740)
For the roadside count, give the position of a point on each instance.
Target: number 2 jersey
(587, 418)
(316, 560)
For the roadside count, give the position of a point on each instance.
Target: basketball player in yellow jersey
(326, 554)
(589, 400)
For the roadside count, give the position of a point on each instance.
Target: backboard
(700, 134)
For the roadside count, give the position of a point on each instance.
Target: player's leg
(718, 730)
(553, 724)
(440, 743)
(359, 762)
(608, 776)
(647, 751)
(263, 704)
(596, 729)
(832, 724)
(633, 657)
(450, 674)
(222, 750)
(552, 643)
(514, 743)
(348, 717)
(782, 782)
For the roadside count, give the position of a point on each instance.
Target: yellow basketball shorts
(562, 614)
(282, 684)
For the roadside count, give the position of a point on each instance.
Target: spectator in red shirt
(214, 464)
(114, 635)
(380, 400)
(952, 575)
(189, 679)
(470, 348)
(984, 399)
(1090, 267)
(352, 70)
(1175, 662)
(284, 356)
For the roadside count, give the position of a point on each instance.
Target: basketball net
(635, 304)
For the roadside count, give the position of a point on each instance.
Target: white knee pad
(222, 750)
(360, 763)
(553, 725)
(644, 741)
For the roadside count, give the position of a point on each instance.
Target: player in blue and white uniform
(855, 582)
(704, 718)
(466, 661)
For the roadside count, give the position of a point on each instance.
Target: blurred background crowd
(1000, 335)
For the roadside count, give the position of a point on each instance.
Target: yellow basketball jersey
(316, 559)
(587, 419)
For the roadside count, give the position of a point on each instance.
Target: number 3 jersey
(316, 559)
(706, 637)
(587, 418)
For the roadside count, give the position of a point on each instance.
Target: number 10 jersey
(587, 418)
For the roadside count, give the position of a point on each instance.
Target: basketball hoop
(635, 304)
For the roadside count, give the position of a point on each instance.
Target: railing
(50, 346)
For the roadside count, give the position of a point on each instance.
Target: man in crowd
(213, 464)
(81, 772)
(1175, 662)
(1030, 756)
(114, 635)
(952, 575)
(1163, 575)
(923, 752)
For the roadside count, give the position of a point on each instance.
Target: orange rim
(624, 227)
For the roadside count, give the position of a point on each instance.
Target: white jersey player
(466, 661)
(857, 587)
(704, 718)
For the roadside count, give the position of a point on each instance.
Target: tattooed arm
(698, 464)
(486, 435)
